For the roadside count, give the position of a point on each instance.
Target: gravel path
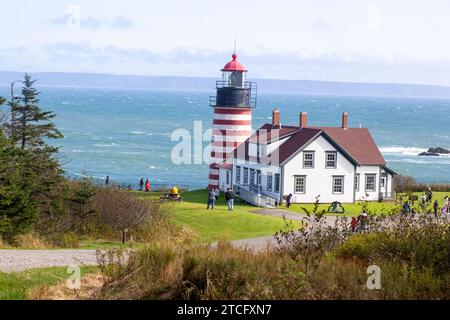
(261, 243)
(19, 260)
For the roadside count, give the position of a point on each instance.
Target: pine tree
(30, 125)
(18, 209)
(29, 171)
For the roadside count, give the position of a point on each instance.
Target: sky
(387, 41)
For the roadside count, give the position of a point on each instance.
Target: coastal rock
(438, 150)
(429, 154)
(434, 152)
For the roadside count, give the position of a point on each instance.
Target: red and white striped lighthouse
(232, 123)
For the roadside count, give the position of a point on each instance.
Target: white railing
(255, 198)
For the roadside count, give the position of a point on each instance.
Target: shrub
(30, 241)
(421, 243)
(67, 240)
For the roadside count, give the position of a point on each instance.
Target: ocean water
(126, 133)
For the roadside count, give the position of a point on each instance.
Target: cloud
(69, 19)
(77, 21)
(320, 26)
(122, 22)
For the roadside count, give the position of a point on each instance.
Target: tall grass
(413, 255)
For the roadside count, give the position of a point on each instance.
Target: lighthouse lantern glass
(234, 78)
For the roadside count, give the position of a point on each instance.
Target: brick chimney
(303, 119)
(345, 120)
(276, 118)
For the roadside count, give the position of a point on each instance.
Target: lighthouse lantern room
(232, 123)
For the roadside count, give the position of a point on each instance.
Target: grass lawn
(354, 209)
(213, 225)
(13, 286)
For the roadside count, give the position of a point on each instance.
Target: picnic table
(168, 196)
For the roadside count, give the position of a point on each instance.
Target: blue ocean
(126, 133)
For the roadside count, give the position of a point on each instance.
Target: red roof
(234, 65)
(264, 134)
(296, 142)
(357, 143)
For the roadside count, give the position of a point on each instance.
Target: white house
(338, 163)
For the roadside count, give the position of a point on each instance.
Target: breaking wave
(407, 151)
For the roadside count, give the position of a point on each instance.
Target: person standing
(430, 194)
(141, 184)
(217, 193)
(147, 186)
(354, 224)
(435, 207)
(446, 204)
(211, 199)
(229, 196)
(406, 209)
(362, 221)
(424, 200)
(288, 200)
(107, 181)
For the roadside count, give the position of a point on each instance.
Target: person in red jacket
(147, 186)
(354, 224)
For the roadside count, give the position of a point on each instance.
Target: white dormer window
(262, 150)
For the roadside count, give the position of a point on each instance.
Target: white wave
(426, 160)
(407, 151)
(137, 132)
(104, 145)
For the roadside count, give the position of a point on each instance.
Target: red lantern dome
(234, 65)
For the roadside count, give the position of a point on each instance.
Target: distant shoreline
(207, 84)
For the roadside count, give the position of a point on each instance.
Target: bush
(67, 240)
(404, 184)
(421, 244)
(30, 241)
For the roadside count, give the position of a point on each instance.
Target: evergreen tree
(30, 175)
(30, 125)
(18, 209)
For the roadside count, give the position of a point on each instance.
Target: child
(354, 224)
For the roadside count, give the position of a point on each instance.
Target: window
(383, 182)
(252, 177)
(338, 184)
(245, 176)
(308, 159)
(262, 150)
(277, 182)
(238, 175)
(258, 177)
(357, 182)
(269, 181)
(299, 184)
(330, 159)
(370, 182)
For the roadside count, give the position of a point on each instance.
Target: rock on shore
(435, 152)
